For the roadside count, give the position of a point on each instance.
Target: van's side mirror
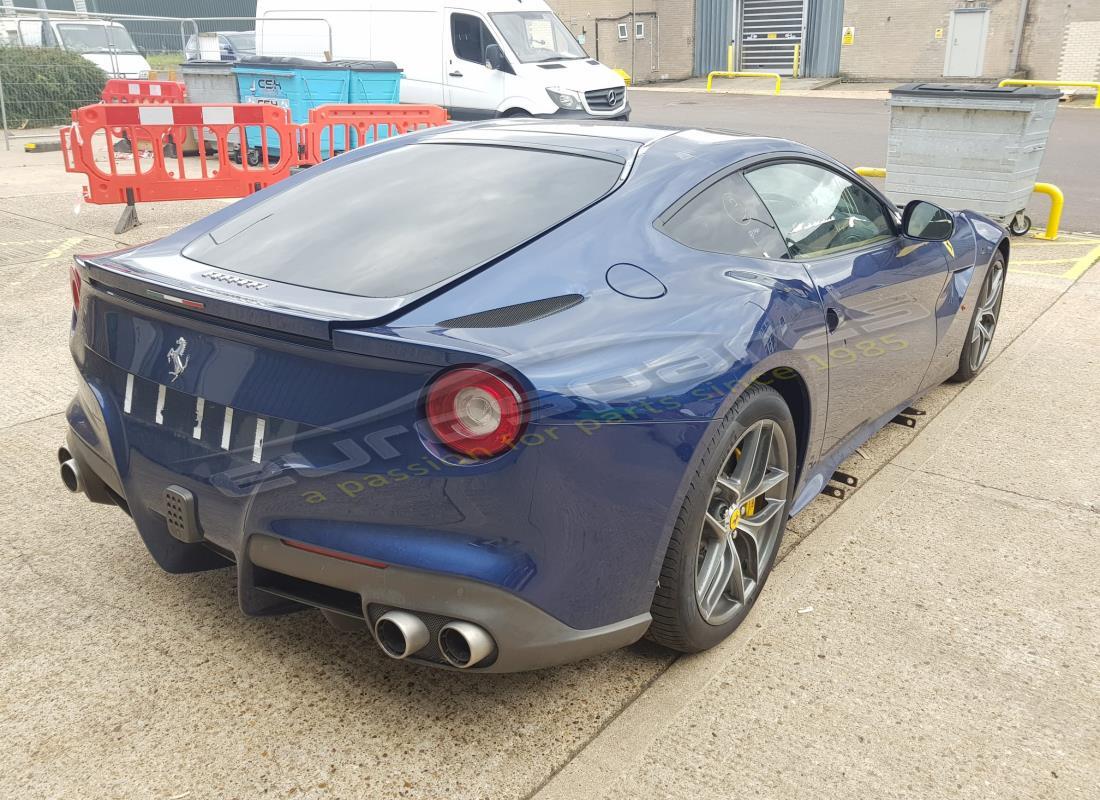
(927, 222)
(494, 58)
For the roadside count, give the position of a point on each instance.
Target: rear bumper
(526, 637)
(274, 577)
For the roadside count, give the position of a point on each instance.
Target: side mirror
(927, 222)
(494, 58)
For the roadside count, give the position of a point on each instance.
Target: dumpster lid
(367, 66)
(286, 62)
(207, 64)
(971, 90)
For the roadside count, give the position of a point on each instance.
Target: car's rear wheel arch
(1003, 247)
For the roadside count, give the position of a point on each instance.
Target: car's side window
(818, 211)
(727, 217)
(469, 37)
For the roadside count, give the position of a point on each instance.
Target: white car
(487, 58)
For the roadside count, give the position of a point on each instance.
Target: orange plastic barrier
(120, 90)
(89, 148)
(334, 129)
(244, 147)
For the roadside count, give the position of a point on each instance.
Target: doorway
(966, 43)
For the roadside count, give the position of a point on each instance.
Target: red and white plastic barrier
(254, 145)
(121, 90)
(334, 128)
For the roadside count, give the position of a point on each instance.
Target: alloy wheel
(985, 318)
(742, 523)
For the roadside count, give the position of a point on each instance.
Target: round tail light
(475, 412)
(74, 286)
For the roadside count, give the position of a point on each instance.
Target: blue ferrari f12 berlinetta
(514, 393)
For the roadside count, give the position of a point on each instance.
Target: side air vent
(506, 316)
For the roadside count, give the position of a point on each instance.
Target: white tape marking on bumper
(258, 445)
(217, 115)
(128, 403)
(227, 428)
(200, 406)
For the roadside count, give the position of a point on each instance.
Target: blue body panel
(625, 389)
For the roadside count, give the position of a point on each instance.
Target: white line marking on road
(161, 391)
(128, 403)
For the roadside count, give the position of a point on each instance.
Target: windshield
(243, 42)
(444, 209)
(86, 38)
(537, 36)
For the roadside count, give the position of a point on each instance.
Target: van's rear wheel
(730, 525)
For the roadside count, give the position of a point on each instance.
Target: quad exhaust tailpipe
(400, 634)
(71, 474)
(464, 644)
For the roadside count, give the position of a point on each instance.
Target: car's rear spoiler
(226, 296)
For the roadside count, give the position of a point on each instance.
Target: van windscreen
(396, 223)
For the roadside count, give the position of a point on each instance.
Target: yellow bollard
(1057, 200)
(729, 73)
(796, 66)
(1088, 84)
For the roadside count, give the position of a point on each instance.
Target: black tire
(1019, 225)
(968, 369)
(254, 157)
(678, 622)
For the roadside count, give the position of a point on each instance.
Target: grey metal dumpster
(211, 82)
(974, 147)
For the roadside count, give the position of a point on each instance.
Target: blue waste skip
(300, 84)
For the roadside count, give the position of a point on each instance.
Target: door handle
(832, 319)
(455, 74)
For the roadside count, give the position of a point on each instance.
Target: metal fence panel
(39, 97)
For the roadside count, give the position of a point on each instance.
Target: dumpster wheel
(1020, 224)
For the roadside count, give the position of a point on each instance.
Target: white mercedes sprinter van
(106, 44)
(483, 58)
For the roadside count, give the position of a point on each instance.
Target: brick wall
(665, 52)
(1062, 40)
(896, 39)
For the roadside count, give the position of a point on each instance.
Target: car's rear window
(398, 222)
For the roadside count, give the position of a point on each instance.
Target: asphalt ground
(855, 131)
(934, 635)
